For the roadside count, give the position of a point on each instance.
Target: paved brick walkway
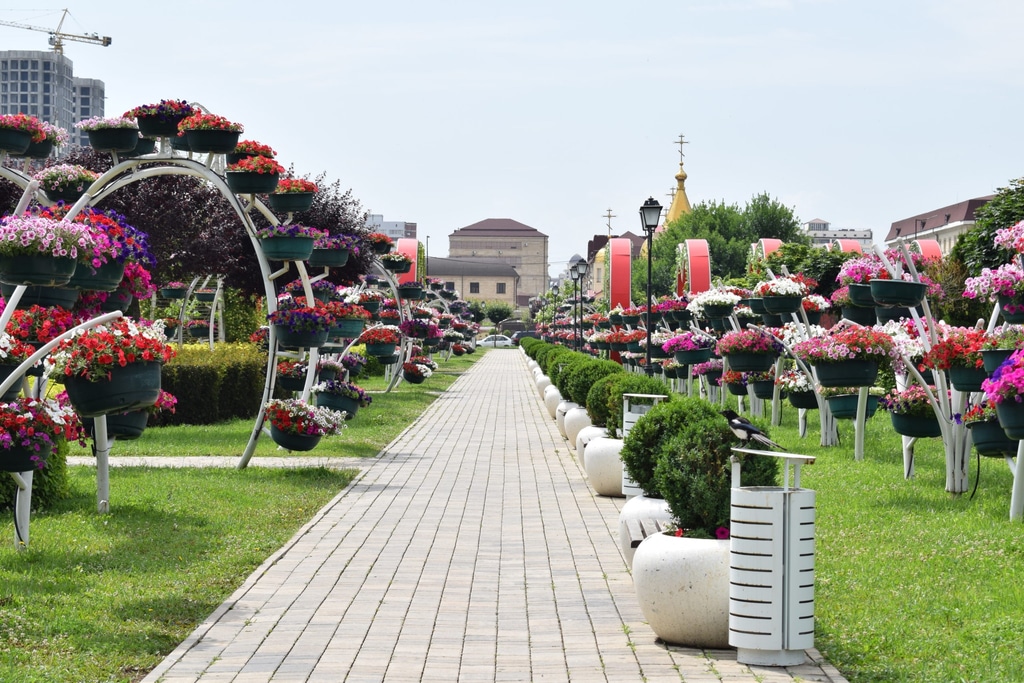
(471, 549)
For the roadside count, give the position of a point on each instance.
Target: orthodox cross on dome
(609, 216)
(681, 141)
(671, 194)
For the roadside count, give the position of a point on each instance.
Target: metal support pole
(647, 323)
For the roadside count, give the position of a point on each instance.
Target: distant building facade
(476, 280)
(394, 229)
(942, 225)
(507, 242)
(42, 84)
(823, 234)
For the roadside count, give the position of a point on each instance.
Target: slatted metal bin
(771, 570)
(635, 406)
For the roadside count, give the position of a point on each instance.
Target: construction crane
(57, 37)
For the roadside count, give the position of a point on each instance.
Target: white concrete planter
(552, 397)
(586, 435)
(543, 382)
(640, 507)
(682, 585)
(532, 364)
(563, 408)
(575, 420)
(604, 466)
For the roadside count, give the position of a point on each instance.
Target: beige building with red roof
(506, 242)
(942, 225)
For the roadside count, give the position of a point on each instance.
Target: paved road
(470, 549)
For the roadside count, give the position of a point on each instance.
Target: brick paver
(471, 549)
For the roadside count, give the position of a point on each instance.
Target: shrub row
(213, 386)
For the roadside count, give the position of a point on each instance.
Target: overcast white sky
(550, 112)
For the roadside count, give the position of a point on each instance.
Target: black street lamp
(574, 276)
(581, 268)
(650, 214)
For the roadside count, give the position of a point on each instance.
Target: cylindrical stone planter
(575, 420)
(640, 507)
(588, 434)
(564, 407)
(552, 397)
(682, 585)
(603, 465)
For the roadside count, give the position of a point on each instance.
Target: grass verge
(912, 583)
(106, 597)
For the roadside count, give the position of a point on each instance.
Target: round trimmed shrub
(649, 435)
(694, 471)
(579, 378)
(597, 399)
(630, 383)
(558, 360)
(568, 368)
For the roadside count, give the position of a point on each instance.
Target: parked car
(496, 341)
(516, 336)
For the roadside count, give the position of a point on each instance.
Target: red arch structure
(929, 249)
(695, 275)
(847, 246)
(620, 274)
(411, 248)
(766, 245)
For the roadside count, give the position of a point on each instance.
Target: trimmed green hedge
(214, 386)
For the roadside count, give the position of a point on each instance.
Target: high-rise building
(42, 84)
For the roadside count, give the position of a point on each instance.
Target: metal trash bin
(771, 567)
(635, 406)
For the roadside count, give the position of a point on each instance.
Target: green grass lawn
(913, 584)
(107, 597)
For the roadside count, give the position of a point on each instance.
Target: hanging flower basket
(737, 388)
(127, 426)
(113, 139)
(967, 379)
(135, 385)
(993, 358)
(886, 314)
(253, 175)
(919, 426)
(198, 331)
(14, 141)
(750, 362)
(301, 339)
(844, 406)
(337, 402)
(212, 141)
(347, 328)
(692, 357)
(380, 350)
(860, 295)
(294, 442)
(990, 439)
(159, 126)
(118, 300)
(848, 373)
(1012, 309)
(173, 292)
(897, 292)
(764, 389)
(717, 311)
(290, 202)
(803, 399)
(411, 292)
(42, 296)
(287, 248)
(37, 269)
(778, 305)
(328, 258)
(106, 278)
(859, 315)
(1011, 417)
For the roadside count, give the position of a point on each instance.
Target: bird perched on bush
(746, 432)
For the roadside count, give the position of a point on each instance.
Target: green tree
(497, 311)
(766, 217)
(976, 248)
(478, 310)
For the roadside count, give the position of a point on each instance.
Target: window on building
(450, 286)
(474, 287)
(500, 288)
